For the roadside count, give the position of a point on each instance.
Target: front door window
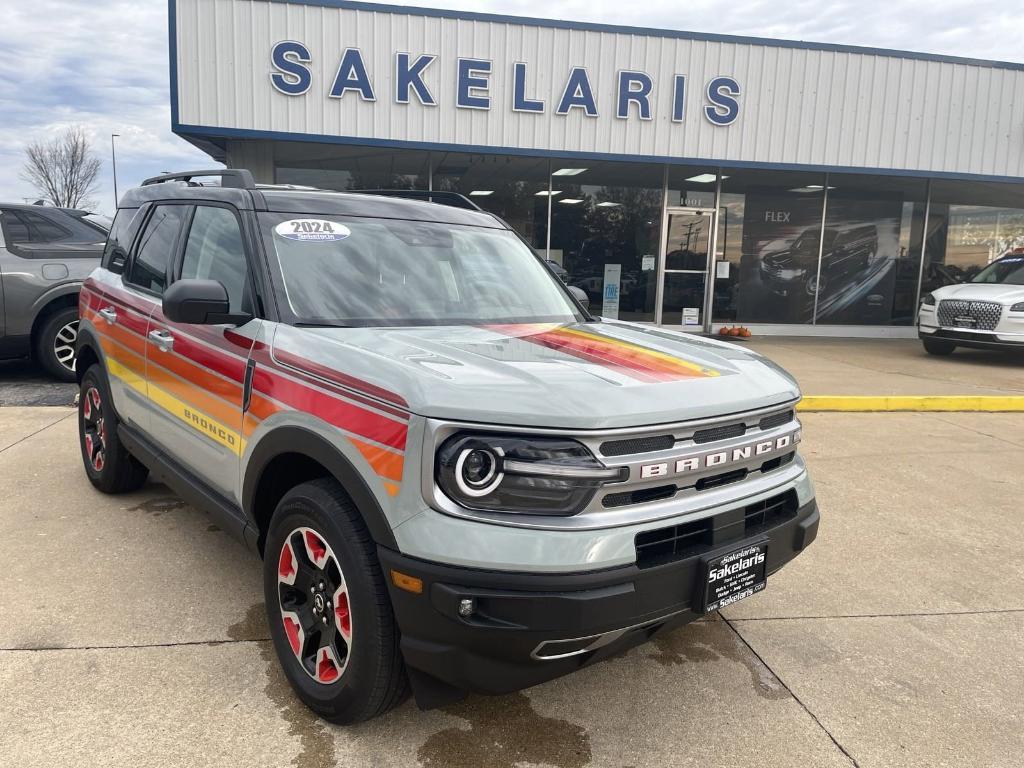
(688, 243)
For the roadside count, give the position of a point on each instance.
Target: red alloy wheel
(94, 429)
(314, 602)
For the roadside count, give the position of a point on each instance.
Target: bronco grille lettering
(718, 458)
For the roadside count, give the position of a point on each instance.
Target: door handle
(162, 339)
(109, 314)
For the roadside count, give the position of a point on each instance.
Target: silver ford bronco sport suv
(457, 478)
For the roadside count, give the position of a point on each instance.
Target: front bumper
(531, 627)
(975, 339)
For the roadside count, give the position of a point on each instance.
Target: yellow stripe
(663, 356)
(923, 403)
(195, 418)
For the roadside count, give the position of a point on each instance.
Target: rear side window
(29, 227)
(156, 248)
(214, 251)
(120, 234)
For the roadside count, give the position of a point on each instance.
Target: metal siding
(799, 105)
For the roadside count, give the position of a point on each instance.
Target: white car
(987, 312)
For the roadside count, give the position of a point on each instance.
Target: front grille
(677, 542)
(769, 513)
(666, 544)
(985, 314)
(712, 434)
(625, 498)
(637, 445)
(776, 420)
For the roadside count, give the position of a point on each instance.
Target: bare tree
(63, 170)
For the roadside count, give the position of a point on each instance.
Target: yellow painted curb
(854, 403)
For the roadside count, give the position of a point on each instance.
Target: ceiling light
(568, 172)
(704, 178)
(571, 201)
(545, 193)
(481, 192)
(810, 188)
(608, 204)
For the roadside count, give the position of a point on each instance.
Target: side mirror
(581, 296)
(200, 302)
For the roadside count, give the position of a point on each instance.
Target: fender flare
(292, 439)
(56, 292)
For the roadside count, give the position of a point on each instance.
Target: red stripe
(601, 357)
(333, 410)
(123, 297)
(338, 377)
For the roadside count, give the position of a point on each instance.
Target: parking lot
(132, 630)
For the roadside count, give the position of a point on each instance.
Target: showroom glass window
(514, 188)
(970, 225)
(331, 166)
(871, 254)
(769, 230)
(606, 223)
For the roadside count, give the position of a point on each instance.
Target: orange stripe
(121, 335)
(199, 376)
(384, 463)
(603, 354)
(128, 359)
(262, 408)
(636, 355)
(225, 413)
(249, 425)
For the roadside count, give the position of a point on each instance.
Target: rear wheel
(55, 344)
(107, 463)
(329, 613)
(939, 347)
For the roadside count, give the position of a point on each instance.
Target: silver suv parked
(45, 254)
(456, 476)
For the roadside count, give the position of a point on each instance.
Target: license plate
(964, 322)
(735, 575)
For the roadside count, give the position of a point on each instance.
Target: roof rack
(454, 199)
(229, 177)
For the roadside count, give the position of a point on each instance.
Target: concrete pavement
(132, 631)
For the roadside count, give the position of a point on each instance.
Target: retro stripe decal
(199, 382)
(634, 360)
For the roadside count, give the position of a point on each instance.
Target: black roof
(245, 195)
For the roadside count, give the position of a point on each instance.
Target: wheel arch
(64, 297)
(88, 352)
(291, 455)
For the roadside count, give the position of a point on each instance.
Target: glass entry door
(684, 299)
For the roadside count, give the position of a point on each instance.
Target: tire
(55, 344)
(107, 462)
(328, 609)
(938, 347)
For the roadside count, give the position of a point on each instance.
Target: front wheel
(328, 609)
(939, 347)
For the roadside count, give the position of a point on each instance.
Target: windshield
(1006, 271)
(359, 271)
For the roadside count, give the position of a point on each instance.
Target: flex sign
(636, 93)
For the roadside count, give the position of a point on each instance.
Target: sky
(107, 69)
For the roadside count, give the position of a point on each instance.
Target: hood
(1003, 294)
(584, 376)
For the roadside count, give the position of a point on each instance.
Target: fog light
(466, 607)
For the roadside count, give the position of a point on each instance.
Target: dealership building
(685, 179)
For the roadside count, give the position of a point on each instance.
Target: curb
(912, 403)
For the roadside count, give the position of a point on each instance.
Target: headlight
(928, 300)
(528, 475)
(1019, 307)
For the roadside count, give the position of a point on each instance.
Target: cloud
(105, 66)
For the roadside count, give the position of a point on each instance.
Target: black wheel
(107, 463)
(55, 344)
(939, 347)
(328, 609)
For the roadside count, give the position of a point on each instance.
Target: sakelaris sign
(634, 90)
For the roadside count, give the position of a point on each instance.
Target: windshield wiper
(321, 325)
